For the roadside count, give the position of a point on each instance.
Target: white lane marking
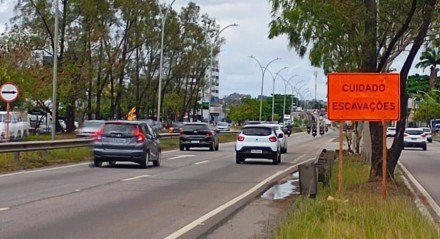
(422, 190)
(44, 170)
(330, 140)
(77, 190)
(182, 156)
(219, 209)
(134, 178)
(4, 209)
(202, 162)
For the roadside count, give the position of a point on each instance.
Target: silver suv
(258, 141)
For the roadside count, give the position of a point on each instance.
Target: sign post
(8, 93)
(364, 97)
(341, 132)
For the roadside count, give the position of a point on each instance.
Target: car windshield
(194, 127)
(92, 124)
(414, 132)
(120, 129)
(257, 131)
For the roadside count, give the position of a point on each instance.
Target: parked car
(156, 126)
(223, 126)
(18, 126)
(428, 134)
(258, 141)
(175, 127)
(89, 128)
(391, 131)
(198, 135)
(281, 137)
(414, 137)
(132, 141)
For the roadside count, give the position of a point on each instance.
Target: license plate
(414, 139)
(256, 151)
(118, 140)
(195, 141)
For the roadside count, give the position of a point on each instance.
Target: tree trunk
(432, 78)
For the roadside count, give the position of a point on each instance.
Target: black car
(130, 141)
(198, 135)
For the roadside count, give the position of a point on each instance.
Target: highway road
(425, 167)
(78, 201)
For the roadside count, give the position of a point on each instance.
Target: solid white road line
(422, 190)
(4, 209)
(219, 209)
(134, 178)
(202, 162)
(182, 156)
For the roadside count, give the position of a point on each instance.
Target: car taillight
(140, 136)
(423, 135)
(273, 139)
(240, 138)
(209, 134)
(98, 135)
(405, 135)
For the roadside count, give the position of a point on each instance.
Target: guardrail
(17, 147)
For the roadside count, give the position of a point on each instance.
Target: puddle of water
(284, 190)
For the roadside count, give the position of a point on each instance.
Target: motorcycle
(314, 133)
(308, 130)
(321, 132)
(288, 132)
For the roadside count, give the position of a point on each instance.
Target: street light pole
(273, 88)
(55, 74)
(211, 50)
(163, 18)
(263, 70)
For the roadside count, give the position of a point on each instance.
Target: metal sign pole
(8, 119)
(341, 131)
(384, 160)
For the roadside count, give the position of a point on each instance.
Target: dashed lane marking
(134, 178)
(202, 162)
(182, 156)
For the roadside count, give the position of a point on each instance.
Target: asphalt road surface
(425, 167)
(126, 201)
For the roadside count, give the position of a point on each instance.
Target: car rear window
(194, 127)
(257, 131)
(414, 132)
(125, 130)
(426, 130)
(92, 124)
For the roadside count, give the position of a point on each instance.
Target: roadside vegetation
(28, 160)
(358, 212)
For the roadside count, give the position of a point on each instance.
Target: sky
(238, 72)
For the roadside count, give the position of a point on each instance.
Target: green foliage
(249, 109)
(427, 110)
(416, 83)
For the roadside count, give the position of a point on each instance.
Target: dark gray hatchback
(130, 141)
(198, 135)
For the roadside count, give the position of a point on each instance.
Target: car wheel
(239, 159)
(157, 162)
(217, 147)
(279, 158)
(112, 163)
(97, 162)
(187, 148)
(211, 147)
(424, 148)
(181, 147)
(144, 164)
(284, 150)
(275, 158)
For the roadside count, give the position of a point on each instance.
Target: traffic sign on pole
(9, 92)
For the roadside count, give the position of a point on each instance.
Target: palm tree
(430, 58)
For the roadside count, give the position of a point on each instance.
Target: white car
(428, 134)
(258, 141)
(283, 140)
(391, 131)
(18, 126)
(223, 126)
(414, 137)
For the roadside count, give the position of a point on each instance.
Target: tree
(427, 110)
(430, 58)
(358, 36)
(417, 83)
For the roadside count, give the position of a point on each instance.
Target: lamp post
(263, 70)
(287, 82)
(273, 88)
(211, 50)
(55, 75)
(163, 18)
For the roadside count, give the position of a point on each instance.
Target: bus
(435, 125)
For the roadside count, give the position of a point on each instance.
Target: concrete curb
(413, 185)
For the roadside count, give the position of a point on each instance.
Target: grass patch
(41, 137)
(364, 215)
(27, 160)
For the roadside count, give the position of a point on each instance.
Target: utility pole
(55, 74)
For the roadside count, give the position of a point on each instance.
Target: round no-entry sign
(9, 92)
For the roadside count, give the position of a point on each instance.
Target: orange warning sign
(363, 96)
